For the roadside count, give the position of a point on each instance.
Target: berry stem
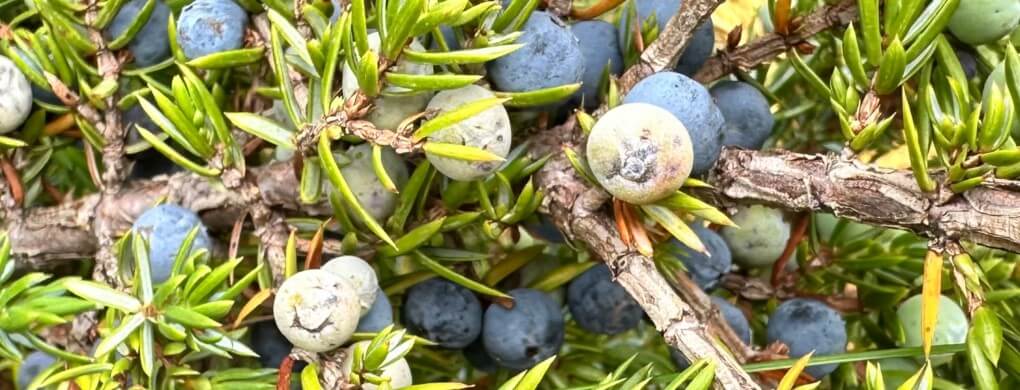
(791, 245)
(283, 376)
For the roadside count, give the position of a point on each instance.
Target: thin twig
(114, 160)
(771, 45)
(779, 267)
(113, 157)
(13, 181)
(672, 40)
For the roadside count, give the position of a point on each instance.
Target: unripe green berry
(979, 22)
(488, 130)
(825, 224)
(640, 153)
(364, 182)
(760, 237)
(316, 310)
(950, 325)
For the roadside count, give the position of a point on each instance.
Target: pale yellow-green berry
(760, 237)
(316, 310)
(361, 276)
(950, 325)
(640, 153)
(488, 130)
(15, 96)
(364, 182)
(979, 22)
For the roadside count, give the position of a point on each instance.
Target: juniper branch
(771, 45)
(985, 215)
(686, 323)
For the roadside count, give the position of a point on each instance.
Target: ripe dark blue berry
(701, 47)
(150, 162)
(542, 228)
(272, 347)
(211, 26)
(748, 118)
(449, 38)
(530, 332)
(33, 364)
(269, 343)
(661, 10)
(968, 62)
(444, 312)
(705, 269)
(694, 56)
(151, 44)
(807, 325)
(600, 305)
(378, 317)
(551, 57)
(600, 50)
(338, 10)
(135, 117)
(165, 227)
(733, 316)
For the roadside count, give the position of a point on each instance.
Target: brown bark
(34, 243)
(114, 162)
(988, 215)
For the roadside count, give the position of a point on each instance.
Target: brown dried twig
(772, 45)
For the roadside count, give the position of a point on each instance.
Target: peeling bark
(34, 246)
(988, 215)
